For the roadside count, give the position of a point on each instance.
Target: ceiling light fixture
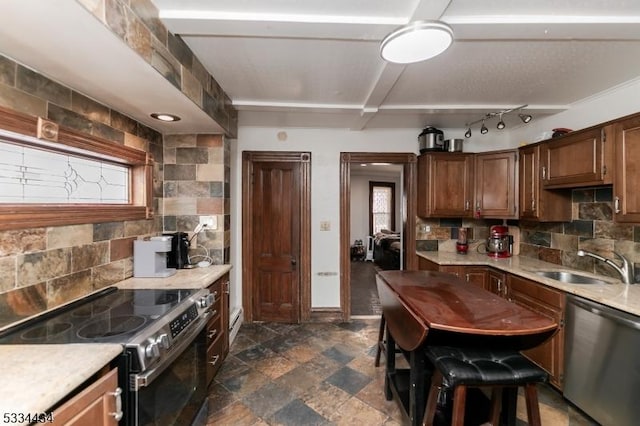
(165, 117)
(526, 118)
(416, 42)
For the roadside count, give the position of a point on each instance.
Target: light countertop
(36, 377)
(184, 278)
(625, 297)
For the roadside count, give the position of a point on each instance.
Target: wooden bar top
(441, 302)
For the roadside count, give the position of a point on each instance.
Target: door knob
(294, 262)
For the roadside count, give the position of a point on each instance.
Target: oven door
(174, 392)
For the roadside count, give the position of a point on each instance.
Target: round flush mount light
(165, 117)
(416, 42)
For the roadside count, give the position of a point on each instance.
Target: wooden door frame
(304, 158)
(409, 162)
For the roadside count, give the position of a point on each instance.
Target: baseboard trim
(326, 314)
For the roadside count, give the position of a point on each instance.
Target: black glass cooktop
(111, 316)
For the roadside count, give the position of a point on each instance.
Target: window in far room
(381, 206)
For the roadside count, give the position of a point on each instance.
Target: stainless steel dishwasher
(602, 362)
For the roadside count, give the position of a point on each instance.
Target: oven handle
(143, 380)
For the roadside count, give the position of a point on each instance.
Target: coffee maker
(150, 257)
(178, 256)
(499, 243)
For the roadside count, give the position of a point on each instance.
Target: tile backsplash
(592, 228)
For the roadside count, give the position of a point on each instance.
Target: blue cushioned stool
(460, 368)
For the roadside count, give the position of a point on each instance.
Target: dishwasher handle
(606, 312)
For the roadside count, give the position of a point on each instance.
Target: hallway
(364, 294)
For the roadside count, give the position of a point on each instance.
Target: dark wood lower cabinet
(218, 327)
(95, 405)
(549, 302)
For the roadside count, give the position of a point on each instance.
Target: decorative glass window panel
(382, 208)
(29, 175)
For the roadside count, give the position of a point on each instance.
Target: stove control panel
(181, 322)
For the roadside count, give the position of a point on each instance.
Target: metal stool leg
(381, 343)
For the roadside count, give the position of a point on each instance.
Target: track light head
(501, 124)
(483, 129)
(467, 134)
(525, 117)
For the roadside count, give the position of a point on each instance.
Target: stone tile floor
(322, 374)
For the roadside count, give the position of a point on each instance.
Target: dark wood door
(276, 241)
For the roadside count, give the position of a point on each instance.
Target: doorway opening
(358, 216)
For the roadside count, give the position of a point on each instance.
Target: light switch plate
(325, 225)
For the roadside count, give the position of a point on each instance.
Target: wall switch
(325, 225)
(211, 222)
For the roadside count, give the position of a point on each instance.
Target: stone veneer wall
(592, 228)
(138, 24)
(196, 183)
(41, 268)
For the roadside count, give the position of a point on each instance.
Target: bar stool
(460, 368)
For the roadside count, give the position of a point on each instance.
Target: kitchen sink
(569, 277)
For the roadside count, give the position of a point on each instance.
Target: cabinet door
(456, 270)
(576, 160)
(496, 185)
(627, 172)
(445, 182)
(497, 283)
(535, 202)
(476, 275)
(427, 265)
(95, 405)
(548, 302)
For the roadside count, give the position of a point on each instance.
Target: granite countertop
(36, 377)
(184, 278)
(625, 297)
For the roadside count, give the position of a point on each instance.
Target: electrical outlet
(211, 222)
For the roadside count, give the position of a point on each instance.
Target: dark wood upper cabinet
(496, 184)
(445, 184)
(578, 159)
(537, 203)
(626, 201)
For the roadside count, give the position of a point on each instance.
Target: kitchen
(40, 261)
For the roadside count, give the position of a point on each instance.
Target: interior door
(273, 253)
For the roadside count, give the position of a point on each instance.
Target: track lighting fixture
(526, 118)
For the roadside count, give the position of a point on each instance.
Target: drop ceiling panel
(515, 72)
(290, 70)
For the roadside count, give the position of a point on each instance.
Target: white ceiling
(316, 63)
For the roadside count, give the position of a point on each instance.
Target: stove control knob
(163, 341)
(152, 350)
(206, 301)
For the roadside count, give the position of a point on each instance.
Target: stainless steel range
(162, 370)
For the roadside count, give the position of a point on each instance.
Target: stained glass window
(29, 175)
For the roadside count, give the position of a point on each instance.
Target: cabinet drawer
(214, 328)
(215, 356)
(536, 291)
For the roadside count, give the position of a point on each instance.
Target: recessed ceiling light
(416, 42)
(165, 117)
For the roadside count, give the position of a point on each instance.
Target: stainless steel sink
(569, 277)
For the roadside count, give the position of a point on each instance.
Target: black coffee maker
(178, 257)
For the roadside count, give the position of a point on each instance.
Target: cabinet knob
(214, 359)
(544, 172)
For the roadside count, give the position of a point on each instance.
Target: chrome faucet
(626, 269)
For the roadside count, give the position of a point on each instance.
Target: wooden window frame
(37, 132)
(391, 185)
